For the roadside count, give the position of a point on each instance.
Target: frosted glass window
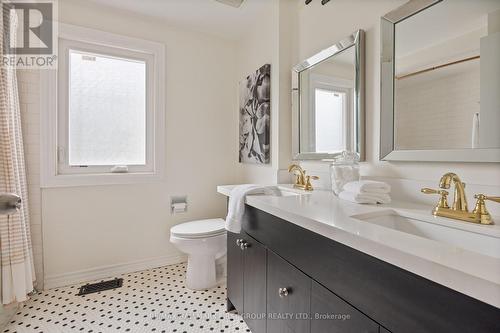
(329, 113)
(107, 110)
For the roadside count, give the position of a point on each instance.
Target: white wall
(256, 48)
(89, 229)
(320, 27)
(426, 118)
(270, 41)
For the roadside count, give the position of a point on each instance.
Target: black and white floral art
(255, 117)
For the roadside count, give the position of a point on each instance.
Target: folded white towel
(236, 206)
(367, 186)
(365, 198)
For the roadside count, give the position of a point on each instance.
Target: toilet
(204, 241)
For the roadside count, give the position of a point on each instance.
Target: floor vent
(100, 286)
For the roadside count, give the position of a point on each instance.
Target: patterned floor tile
(155, 300)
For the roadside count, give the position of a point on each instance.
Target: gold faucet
(302, 181)
(459, 210)
(459, 201)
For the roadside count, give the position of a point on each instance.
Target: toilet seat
(199, 229)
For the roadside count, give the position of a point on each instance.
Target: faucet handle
(308, 186)
(486, 197)
(480, 209)
(443, 200)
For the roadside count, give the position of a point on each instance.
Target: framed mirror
(328, 101)
(440, 81)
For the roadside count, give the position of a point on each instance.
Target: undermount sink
(467, 240)
(285, 193)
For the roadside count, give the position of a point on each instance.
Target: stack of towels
(366, 192)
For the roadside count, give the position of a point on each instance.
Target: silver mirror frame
(387, 70)
(356, 40)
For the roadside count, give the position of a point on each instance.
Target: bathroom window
(109, 110)
(106, 110)
(331, 109)
(330, 122)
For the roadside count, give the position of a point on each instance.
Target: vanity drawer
(288, 297)
(395, 298)
(330, 314)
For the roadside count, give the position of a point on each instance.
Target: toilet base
(200, 274)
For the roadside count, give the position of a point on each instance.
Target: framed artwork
(255, 117)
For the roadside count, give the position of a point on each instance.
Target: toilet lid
(199, 228)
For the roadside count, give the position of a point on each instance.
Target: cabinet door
(330, 314)
(254, 295)
(234, 273)
(288, 297)
(383, 330)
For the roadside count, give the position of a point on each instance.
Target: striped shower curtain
(16, 255)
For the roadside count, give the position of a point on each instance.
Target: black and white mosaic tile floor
(155, 300)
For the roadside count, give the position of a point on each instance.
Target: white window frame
(55, 169)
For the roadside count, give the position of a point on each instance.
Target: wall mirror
(328, 101)
(440, 81)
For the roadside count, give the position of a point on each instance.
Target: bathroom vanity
(312, 263)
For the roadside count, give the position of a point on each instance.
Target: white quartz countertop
(469, 272)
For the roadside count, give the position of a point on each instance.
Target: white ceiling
(207, 16)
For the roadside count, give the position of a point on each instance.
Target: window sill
(74, 180)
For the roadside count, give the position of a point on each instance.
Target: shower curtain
(16, 255)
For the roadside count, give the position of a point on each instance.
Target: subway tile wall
(437, 113)
(29, 94)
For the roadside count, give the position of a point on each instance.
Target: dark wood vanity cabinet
(246, 279)
(274, 296)
(288, 297)
(330, 314)
(254, 284)
(235, 272)
(286, 279)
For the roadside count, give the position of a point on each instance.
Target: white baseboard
(66, 279)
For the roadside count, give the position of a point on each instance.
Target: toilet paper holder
(178, 204)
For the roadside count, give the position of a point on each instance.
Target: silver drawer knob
(243, 245)
(238, 242)
(283, 292)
